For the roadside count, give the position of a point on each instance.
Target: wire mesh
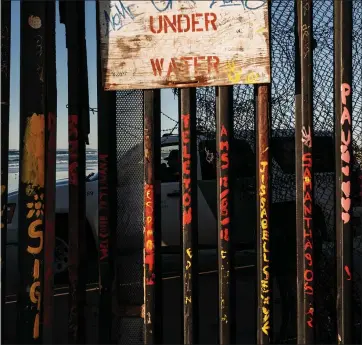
(128, 258)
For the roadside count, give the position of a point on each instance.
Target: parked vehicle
(244, 195)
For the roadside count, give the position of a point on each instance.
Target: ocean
(61, 170)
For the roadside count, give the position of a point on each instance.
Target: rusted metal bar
(107, 198)
(304, 175)
(224, 137)
(189, 235)
(263, 122)
(343, 156)
(50, 163)
(32, 170)
(73, 16)
(5, 107)
(152, 218)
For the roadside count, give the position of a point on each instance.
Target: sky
(168, 102)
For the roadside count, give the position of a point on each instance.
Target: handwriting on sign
(164, 5)
(149, 245)
(73, 149)
(345, 153)
(118, 16)
(186, 174)
(224, 184)
(186, 65)
(247, 4)
(263, 171)
(308, 235)
(103, 205)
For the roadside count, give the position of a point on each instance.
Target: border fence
(281, 171)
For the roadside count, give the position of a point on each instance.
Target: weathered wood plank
(176, 43)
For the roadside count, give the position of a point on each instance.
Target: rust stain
(33, 159)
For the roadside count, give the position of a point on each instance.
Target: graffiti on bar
(265, 282)
(73, 149)
(224, 221)
(186, 178)
(33, 178)
(103, 207)
(307, 215)
(149, 260)
(345, 154)
(186, 200)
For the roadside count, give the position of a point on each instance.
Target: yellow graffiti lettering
(233, 75)
(223, 254)
(252, 78)
(266, 300)
(33, 233)
(187, 300)
(189, 252)
(149, 245)
(188, 264)
(34, 294)
(36, 269)
(266, 328)
(36, 327)
(33, 151)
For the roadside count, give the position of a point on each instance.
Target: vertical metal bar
(189, 231)
(304, 177)
(5, 107)
(263, 122)
(50, 163)
(224, 137)
(75, 33)
(32, 170)
(343, 149)
(106, 201)
(152, 215)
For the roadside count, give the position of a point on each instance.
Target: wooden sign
(176, 43)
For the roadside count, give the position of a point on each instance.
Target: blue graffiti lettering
(247, 4)
(116, 20)
(164, 5)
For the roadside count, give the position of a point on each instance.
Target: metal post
(106, 198)
(50, 173)
(304, 176)
(224, 137)
(32, 170)
(265, 286)
(189, 232)
(152, 216)
(343, 154)
(73, 16)
(5, 106)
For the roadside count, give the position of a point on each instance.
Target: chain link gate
(278, 159)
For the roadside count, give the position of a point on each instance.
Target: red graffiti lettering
(224, 187)
(186, 166)
(149, 242)
(195, 22)
(347, 270)
(185, 65)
